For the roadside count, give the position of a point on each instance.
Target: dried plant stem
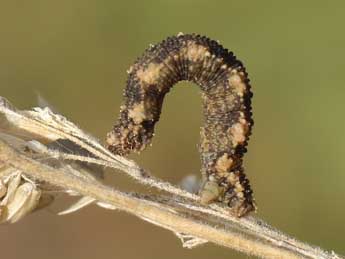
(250, 235)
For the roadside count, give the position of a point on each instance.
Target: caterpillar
(226, 101)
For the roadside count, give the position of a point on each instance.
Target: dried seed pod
(226, 106)
(21, 198)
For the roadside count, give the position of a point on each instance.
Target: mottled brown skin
(226, 106)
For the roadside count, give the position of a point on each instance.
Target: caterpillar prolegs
(227, 113)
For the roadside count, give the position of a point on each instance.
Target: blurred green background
(76, 53)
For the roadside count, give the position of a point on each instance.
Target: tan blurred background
(76, 53)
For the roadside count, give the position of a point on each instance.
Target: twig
(175, 210)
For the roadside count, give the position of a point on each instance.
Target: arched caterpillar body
(226, 99)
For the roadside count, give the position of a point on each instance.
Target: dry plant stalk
(28, 159)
